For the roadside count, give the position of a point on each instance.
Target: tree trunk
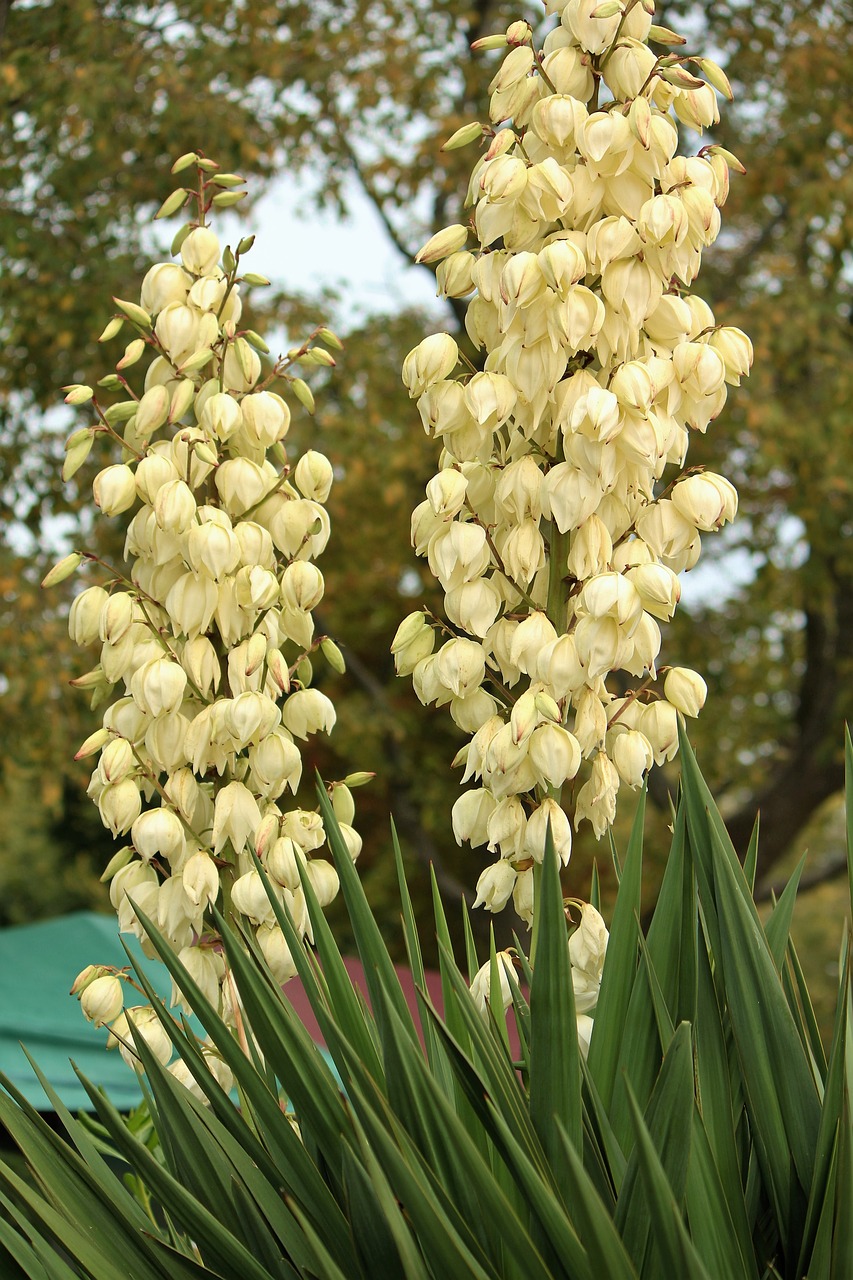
(5, 6)
(813, 768)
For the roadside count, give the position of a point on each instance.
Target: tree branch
(457, 305)
(831, 868)
(735, 269)
(369, 189)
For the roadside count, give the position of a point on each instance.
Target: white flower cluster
(549, 525)
(207, 636)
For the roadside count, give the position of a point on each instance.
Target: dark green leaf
(667, 1124)
(777, 930)
(750, 861)
(722, 1242)
(620, 967)
(379, 971)
(823, 1187)
(672, 1242)
(595, 1226)
(777, 1078)
(555, 1081)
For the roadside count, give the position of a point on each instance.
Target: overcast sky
(306, 250)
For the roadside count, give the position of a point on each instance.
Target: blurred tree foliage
(97, 97)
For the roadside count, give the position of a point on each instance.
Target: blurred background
(335, 113)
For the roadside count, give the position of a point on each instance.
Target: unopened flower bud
(313, 475)
(461, 666)
(152, 410)
(200, 879)
(467, 133)
(120, 805)
(102, 1000)
(548, 814)
(470, 816)
(430, 361)
(278, 670)
(443, 243)
(414, 640)
(324, 880)
(200, 251)
(686, 690)
(86, 976)
(632, 755)
(114, 489)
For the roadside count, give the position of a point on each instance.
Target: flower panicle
(206, 635)
(563, 511)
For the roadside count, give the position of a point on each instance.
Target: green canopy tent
(38, 963)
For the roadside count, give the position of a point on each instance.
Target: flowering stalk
(207, 637)
(562, 512)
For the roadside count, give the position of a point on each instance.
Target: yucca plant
(706, 1134)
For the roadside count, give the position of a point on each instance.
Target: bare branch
(368, 187)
